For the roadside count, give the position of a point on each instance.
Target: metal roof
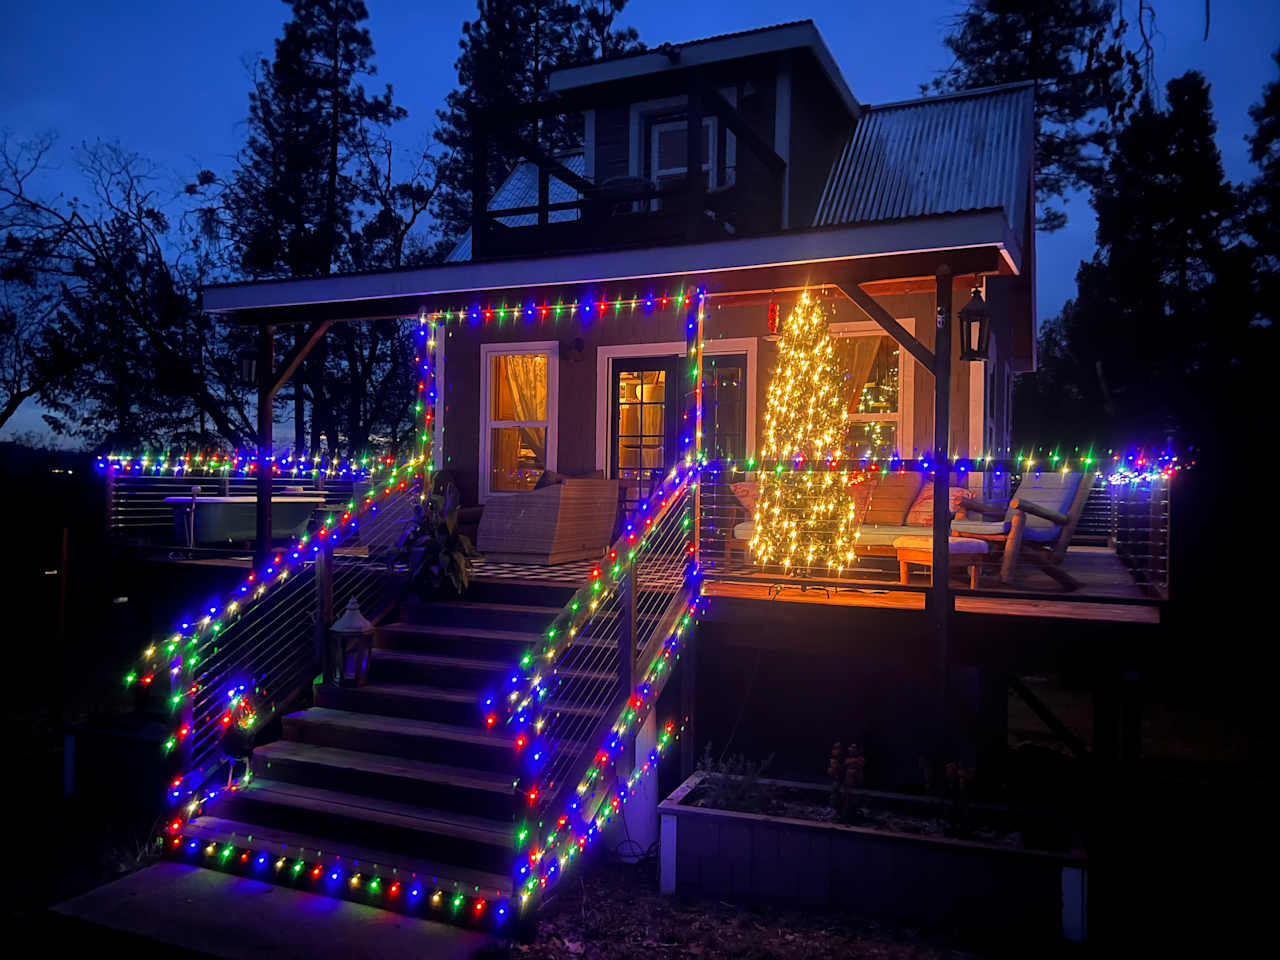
(520, 189)
(960, 152)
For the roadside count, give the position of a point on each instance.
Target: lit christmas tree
(805, 517)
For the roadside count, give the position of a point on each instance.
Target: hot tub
(203, 520)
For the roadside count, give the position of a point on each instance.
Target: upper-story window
(669, 152)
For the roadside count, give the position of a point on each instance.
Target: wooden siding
(579, 405)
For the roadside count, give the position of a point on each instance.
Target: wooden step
(442, 787)
(464, 746)
(417, 701)
(278, 842)
(463, 641)
(468, 841)
(473, 673)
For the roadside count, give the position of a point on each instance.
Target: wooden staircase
(401, 773)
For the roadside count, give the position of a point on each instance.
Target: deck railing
(574, 704)
(137, 511)
(259, 649)
(1126, 513)
(1140, 530)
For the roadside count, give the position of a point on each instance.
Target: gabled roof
(520, 189)
(672, 57)
(936, 155)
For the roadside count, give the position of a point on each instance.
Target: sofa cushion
(892, 498)
(921, 512)
(747, 492)
(744, 530)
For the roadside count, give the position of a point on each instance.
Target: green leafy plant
(734, 783)
(434, 551)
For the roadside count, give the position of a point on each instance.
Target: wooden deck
(1107, 592)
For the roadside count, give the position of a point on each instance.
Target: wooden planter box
(876, 873)
(571, 520)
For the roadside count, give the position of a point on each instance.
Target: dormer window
(668, 151)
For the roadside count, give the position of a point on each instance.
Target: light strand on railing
(242, 464)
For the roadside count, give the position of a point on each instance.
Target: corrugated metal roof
(520, 189)
(960, 152)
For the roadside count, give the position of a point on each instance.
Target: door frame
(669, 348)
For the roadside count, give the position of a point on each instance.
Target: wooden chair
(1037, 530)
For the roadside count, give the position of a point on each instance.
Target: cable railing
(1140, 530)
(570, 699)
(1126, 514)
(260, 648)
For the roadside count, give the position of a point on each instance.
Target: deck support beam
(269, 383)
(868, 305)
(941, 603)
(266, 394)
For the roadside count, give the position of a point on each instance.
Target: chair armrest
(1053, 516)
(978, 506)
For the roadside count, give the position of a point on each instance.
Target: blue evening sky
(169, 79)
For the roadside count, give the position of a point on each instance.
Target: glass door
(644, 414)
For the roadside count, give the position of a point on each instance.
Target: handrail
(260, 644)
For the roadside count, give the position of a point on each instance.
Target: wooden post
(544, 195)
(627, 658)
(479, 186)
(324, 606)
(693, 162)
(266, 396)
(940, 600)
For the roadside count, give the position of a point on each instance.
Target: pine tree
(507, 55)
(804, 517)
(290, 203)
(1262, 219)
(1150, 347)
(1085, 80)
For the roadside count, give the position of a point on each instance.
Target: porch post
(266, 381)
(940, 600)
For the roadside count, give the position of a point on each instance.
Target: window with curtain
(875, 370)
(517, 420)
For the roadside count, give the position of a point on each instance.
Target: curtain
(861, 357)
(527, 382)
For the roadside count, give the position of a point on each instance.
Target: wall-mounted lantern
(975, 328)
(248, 368)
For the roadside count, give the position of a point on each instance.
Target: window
(518, 429)
(881, 377)
(668, 152)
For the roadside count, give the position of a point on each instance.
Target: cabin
(615, 377)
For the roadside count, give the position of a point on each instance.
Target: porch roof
(970, 242)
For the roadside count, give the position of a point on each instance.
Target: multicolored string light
(587, 308)
(243, 464)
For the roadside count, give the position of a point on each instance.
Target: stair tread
(496, 607)
(459, 825)
(400, 726)
(380, 764)
(421, 691)
(295, 845)
(474, 663)
(477, 633)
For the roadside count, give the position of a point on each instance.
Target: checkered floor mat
(570, 574)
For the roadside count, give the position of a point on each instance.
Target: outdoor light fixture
(975, 328)
(249, 368)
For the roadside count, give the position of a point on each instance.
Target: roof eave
(984, 228)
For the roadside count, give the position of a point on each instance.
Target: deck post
(627, 657)
(324, 607)
(940, 600)
(266, 396)
(696, 196)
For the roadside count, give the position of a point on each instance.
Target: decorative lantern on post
(975, 328)
(350, 640)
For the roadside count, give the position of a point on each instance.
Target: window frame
(905, 416)
(550, 348)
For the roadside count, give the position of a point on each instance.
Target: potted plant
(433, 550)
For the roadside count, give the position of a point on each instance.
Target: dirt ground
(613, 910)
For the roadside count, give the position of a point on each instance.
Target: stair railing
(259, 648)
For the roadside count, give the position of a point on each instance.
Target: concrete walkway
(215, 914)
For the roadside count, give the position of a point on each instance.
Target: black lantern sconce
(975, 328)
(248, 368)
